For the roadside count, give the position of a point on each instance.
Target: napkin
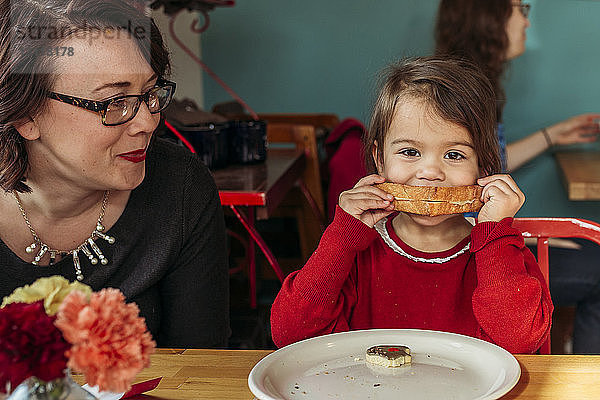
(135, 389)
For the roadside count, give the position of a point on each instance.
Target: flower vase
(64, 388)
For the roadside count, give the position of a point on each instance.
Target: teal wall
(324, 56)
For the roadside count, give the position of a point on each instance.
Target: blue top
(502, 145)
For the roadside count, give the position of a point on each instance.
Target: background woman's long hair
(476, 30)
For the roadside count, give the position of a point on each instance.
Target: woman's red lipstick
(135, 156)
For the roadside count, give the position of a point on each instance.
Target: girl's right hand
(366, 202)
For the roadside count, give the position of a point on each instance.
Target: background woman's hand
(366, 202)
(501, 197)
(582, 128)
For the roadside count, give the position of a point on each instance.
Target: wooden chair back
(306, 203)
(545, 228)
(325, 120)
(303, 137)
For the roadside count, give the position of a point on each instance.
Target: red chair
(545, 228)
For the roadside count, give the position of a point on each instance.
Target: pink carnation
(110, 341)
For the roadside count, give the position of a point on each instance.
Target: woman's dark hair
(476, 30)
(455, 90)
(30, 31)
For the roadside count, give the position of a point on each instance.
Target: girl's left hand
(501, 197)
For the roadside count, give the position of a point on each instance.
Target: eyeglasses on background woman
(524, 8)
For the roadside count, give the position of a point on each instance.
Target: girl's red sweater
(355, 280)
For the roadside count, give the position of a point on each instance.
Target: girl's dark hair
(476, 30)
(30, 31)
(456, 90)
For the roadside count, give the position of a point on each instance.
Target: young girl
(432, 125)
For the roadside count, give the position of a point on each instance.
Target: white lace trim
(381, 229)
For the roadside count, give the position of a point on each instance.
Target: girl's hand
(501, 197)
(582, 128)
(366, 202)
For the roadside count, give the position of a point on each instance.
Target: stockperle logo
(36, 45)
(37, 32)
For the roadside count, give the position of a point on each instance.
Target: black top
(169, 257)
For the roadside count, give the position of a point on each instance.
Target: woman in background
(88, 193)
(492, 33)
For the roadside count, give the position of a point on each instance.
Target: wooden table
(260, 188)
(580, 173)
(223, 374)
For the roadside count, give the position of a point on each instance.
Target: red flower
(30, 345)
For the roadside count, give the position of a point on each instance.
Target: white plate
(444, 366)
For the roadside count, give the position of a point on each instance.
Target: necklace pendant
(88, 253)
(109, 239)
(40, 254)
(52, 257)
(29, 249)
(77, 265)
(103, 259)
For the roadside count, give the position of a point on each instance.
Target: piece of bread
(434, 200)
(389, 356)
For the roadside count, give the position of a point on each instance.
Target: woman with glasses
(492, 33)
(89, 193)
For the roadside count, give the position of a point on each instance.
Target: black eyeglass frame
(525, 8)
(102, 106)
